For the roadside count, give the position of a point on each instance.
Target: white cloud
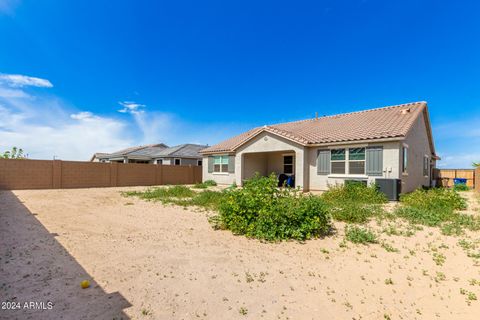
(12, 93)
(46, 126)
(131, 107)
(18, 80)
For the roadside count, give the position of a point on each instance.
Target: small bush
(357, 192)
(437, 207)
(461, 187)
(354, 202)
(261, 210)
(359, 235)
(436, 198)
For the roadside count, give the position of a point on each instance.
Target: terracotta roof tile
(386, 122)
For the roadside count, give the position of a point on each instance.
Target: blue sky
(87, 76)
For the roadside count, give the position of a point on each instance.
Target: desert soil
(150, 261)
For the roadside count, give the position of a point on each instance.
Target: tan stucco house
(391, 142)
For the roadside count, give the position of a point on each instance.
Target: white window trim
(221, 157)
(175, 159)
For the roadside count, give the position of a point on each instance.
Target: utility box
(390, 187)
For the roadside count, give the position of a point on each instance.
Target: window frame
(221, 164)
(338, 161)
(404, 159)
(199, 162)
(426, 166)
(160, 161)
(175, 161)
(289, 164)
(364, 160)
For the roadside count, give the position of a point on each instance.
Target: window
(220, 164)
(159, 161)
(337, 160)
(356, 160)
(288, 164)
(199, 162)
(404, 159)
(426, 163)
(177, 161)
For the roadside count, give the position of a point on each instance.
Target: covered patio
(265, 163)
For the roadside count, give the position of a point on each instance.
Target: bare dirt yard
(150, 261)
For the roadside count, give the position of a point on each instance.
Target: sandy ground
(148, 261)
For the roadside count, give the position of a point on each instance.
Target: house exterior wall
(264, 154)
(220, 178)
(418, 148)
(322, 182)
(255, 162)
(264, 142)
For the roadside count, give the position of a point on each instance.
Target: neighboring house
(390, 142)
(184, 154)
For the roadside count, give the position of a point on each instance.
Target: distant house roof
(98, 155)
(382, 123)
(187, 150)
(137, 151)
(153, 151)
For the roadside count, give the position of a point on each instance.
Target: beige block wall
(418, 147)
(322, 182)
(48, 174)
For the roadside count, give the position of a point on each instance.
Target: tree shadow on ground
(35, 267)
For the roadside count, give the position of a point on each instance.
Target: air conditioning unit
(390, 187)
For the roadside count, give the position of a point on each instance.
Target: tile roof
(387, 122)
(187, 150)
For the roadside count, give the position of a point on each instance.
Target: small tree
(476, 164)
(14, 154)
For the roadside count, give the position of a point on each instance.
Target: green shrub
(357, 192)
(354, 202)
(353, 212)
(261, 210)
(461, 187)
(436, 198)
(359, 235)
(437, 207)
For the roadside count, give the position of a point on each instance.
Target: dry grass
(169, 263)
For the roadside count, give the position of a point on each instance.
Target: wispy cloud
(18, 80)
(45, 126)
(131, 107)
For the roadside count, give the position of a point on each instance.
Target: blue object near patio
(459, 181)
